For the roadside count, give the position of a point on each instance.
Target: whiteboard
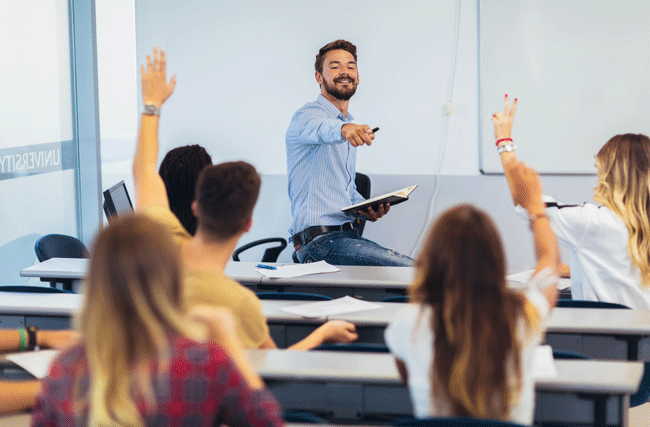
(244, 67)
(580, 71)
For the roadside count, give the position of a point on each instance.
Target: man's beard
(340, 94)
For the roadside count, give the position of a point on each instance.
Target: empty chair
(398, 298)
(355, 346)
(270, 254)
(292, 296)
(59, 246)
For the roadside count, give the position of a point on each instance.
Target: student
(179, 171)
(16, 396)
(144, 360)
(225, 198)
(609, 244)
(465, 348)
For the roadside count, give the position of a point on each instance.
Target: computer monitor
(116, 201)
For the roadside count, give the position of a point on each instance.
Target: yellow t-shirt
(215, 288)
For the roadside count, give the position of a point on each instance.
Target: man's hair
(335, 45)
(226, 194)
(179, 171)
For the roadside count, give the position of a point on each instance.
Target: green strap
(23, 345)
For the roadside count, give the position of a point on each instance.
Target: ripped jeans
(347, 248)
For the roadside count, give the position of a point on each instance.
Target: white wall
(415, 146)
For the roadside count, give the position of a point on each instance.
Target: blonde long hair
(624, 187)
(133, 304)
(461, 277)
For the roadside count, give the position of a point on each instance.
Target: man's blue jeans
(347, 248)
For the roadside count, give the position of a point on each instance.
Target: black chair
(454, 422)
(270, 254)
(302, 418)
(59, 246)
(292, 296)
(355, 347)
(572, 303)
(362, 181)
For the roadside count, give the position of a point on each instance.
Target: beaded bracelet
(22, 339)
(503, 139)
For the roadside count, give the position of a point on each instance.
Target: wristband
(506, 148)
(31, 333)
(503, 139)
(151, 110)
(22, 339)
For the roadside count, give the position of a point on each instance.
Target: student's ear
(319, 78)
(195, 209)
(249, 225)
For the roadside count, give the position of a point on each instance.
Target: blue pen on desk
(268, 267)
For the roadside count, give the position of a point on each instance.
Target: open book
(393, 198)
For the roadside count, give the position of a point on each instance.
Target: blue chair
(292, 296)
(355, 347)
(302, 418)
(398, 298)
(59, 246)
(33, 289)
(454, 422)
(572, 355)
(574, 303)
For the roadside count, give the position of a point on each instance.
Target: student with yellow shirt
(224, 201)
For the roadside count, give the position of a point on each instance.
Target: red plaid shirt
(202, 387)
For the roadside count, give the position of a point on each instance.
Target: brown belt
(308, 234)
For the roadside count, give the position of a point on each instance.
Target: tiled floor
(640, 416)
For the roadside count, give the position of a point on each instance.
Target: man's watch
(31, 334)
(151, 110)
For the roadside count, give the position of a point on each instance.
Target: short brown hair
(335, 45)
(226, 194)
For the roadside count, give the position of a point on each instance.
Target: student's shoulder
(69, 360)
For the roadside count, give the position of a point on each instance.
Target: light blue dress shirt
(320, 166)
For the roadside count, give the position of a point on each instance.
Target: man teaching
(321, 158)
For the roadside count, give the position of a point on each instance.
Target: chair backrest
(362, 181)
(33, 289)
(455, 422)
(292, 296)
(270, 254)
(562, 354)
(355, 347)
(572, 303)
(398, 298)
(59, 246)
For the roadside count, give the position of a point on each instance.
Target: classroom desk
(370, 283)
(599, 333)
(365, 387)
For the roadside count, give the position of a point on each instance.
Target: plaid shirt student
(202, 387)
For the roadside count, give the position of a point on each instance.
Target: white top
(409, 338)
(601, 267)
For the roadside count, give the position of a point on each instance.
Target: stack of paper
(36, 363)
(331, 308)
(295, 270)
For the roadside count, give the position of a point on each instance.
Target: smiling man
(321, 158)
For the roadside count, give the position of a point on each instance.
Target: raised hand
(503, 121)
(155, 89)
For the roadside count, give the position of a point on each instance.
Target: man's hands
(357, 135)
(155, 89)
(503, 121)
(373, 216)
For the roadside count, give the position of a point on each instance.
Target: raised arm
(503, 136)
(149, 187)
(527, 192)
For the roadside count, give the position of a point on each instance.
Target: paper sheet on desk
(543, 362)
(524, 277)
(331, 308)
(36, 363)
(296, 270)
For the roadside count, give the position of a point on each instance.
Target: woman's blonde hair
(461, 277)
(624, 187)
(133, 305)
